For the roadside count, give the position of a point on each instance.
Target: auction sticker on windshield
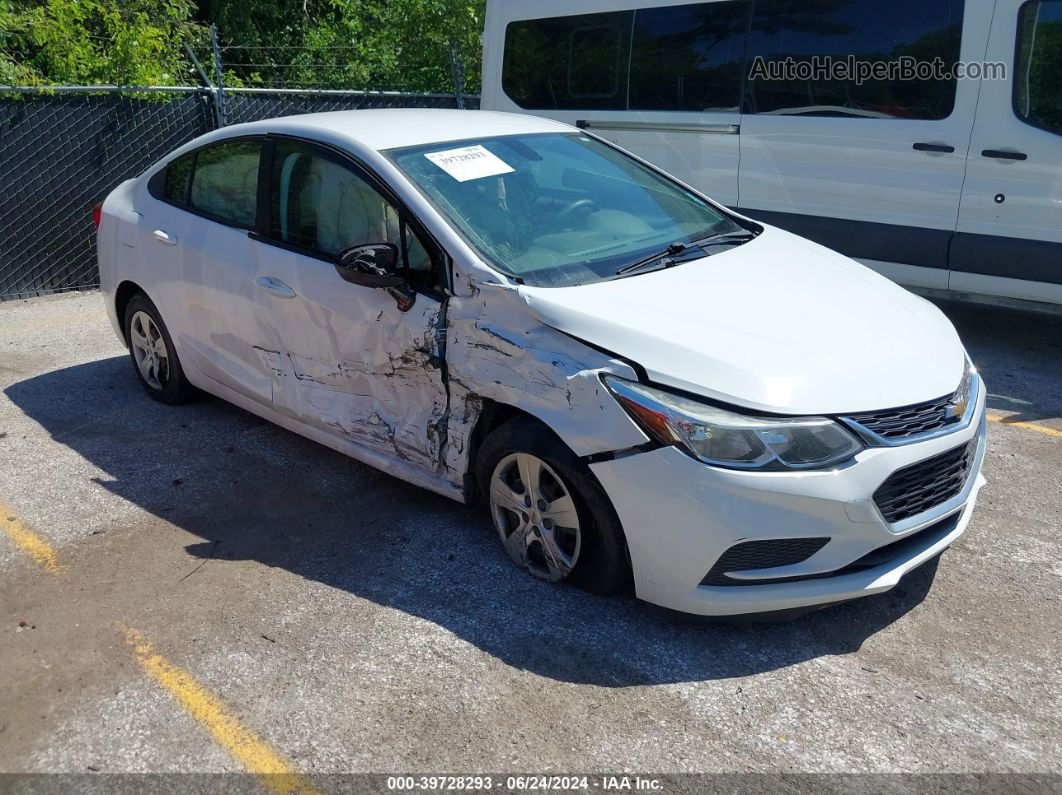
(469, 162)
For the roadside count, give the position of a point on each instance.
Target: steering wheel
(575, 206)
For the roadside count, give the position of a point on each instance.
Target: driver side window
(326, 207)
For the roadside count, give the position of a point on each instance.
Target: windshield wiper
(669, 254)
(722, 238)
(677, 252)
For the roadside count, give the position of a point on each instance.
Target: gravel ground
(356, 623)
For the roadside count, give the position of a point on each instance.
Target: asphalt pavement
(193, 589)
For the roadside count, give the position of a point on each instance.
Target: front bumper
(680, 515)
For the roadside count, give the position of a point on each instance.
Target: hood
(779, 324)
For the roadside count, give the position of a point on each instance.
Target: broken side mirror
(373, 265)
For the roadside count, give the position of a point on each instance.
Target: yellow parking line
(1007, 419)
(39, 550)
(243, 744)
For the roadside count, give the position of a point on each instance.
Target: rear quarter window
(171, 183)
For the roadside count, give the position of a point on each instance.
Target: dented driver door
(344, 358)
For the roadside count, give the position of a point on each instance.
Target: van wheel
(154, 357)
(552, 516)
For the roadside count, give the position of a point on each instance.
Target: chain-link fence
(64, 150)
(245, 104)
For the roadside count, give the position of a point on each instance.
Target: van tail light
(97, 213)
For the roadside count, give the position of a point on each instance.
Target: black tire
(175, 387)
(603, 564)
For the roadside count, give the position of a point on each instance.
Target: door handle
(165, 237)
(275, 286)
(1000, 154)
(927, 147)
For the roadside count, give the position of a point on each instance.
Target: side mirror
(373, 265)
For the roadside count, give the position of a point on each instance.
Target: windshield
(557, 208)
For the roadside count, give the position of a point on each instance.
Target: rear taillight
(97, 212)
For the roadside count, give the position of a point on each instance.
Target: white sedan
(646, 389)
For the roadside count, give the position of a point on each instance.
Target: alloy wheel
(149, 350)
(535, 516)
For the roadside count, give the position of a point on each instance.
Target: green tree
(414, 38)
(354, 44)
(127, 42)
(288, 43)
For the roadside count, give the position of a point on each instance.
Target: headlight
(724, 438)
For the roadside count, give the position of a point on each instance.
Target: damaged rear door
(346, 358)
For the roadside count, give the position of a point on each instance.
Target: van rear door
(1010, 221)
(872, 167)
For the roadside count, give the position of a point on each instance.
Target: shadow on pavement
(252, 491)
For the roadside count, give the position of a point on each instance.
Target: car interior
(563, 215)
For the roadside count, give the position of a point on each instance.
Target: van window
(225, 182)
(568, 62)
(1038, 79)
(324, 206)
(689, 57)
(594, 61)
(869, 30)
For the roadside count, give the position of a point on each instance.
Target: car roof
(391, 128)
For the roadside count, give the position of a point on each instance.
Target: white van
(950, 185)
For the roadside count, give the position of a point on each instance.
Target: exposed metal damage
(413, 385)
(385, 388)
(529, 366)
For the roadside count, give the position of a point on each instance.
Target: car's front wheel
(552, 516)
(154, 357)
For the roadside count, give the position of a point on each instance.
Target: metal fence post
(208, 87)
(219, 89)
(459, 75)
(198, 66)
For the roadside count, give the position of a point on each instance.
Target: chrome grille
(925, 485)
(919, 420)
(909, 420)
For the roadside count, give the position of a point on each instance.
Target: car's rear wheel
(552, 516)
(154, 357)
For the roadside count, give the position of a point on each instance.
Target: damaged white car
(646, 389)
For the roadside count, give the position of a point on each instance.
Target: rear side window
(869, 30)
(568, 62)
(225, 182)
(1038, 78)
(689, 57)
